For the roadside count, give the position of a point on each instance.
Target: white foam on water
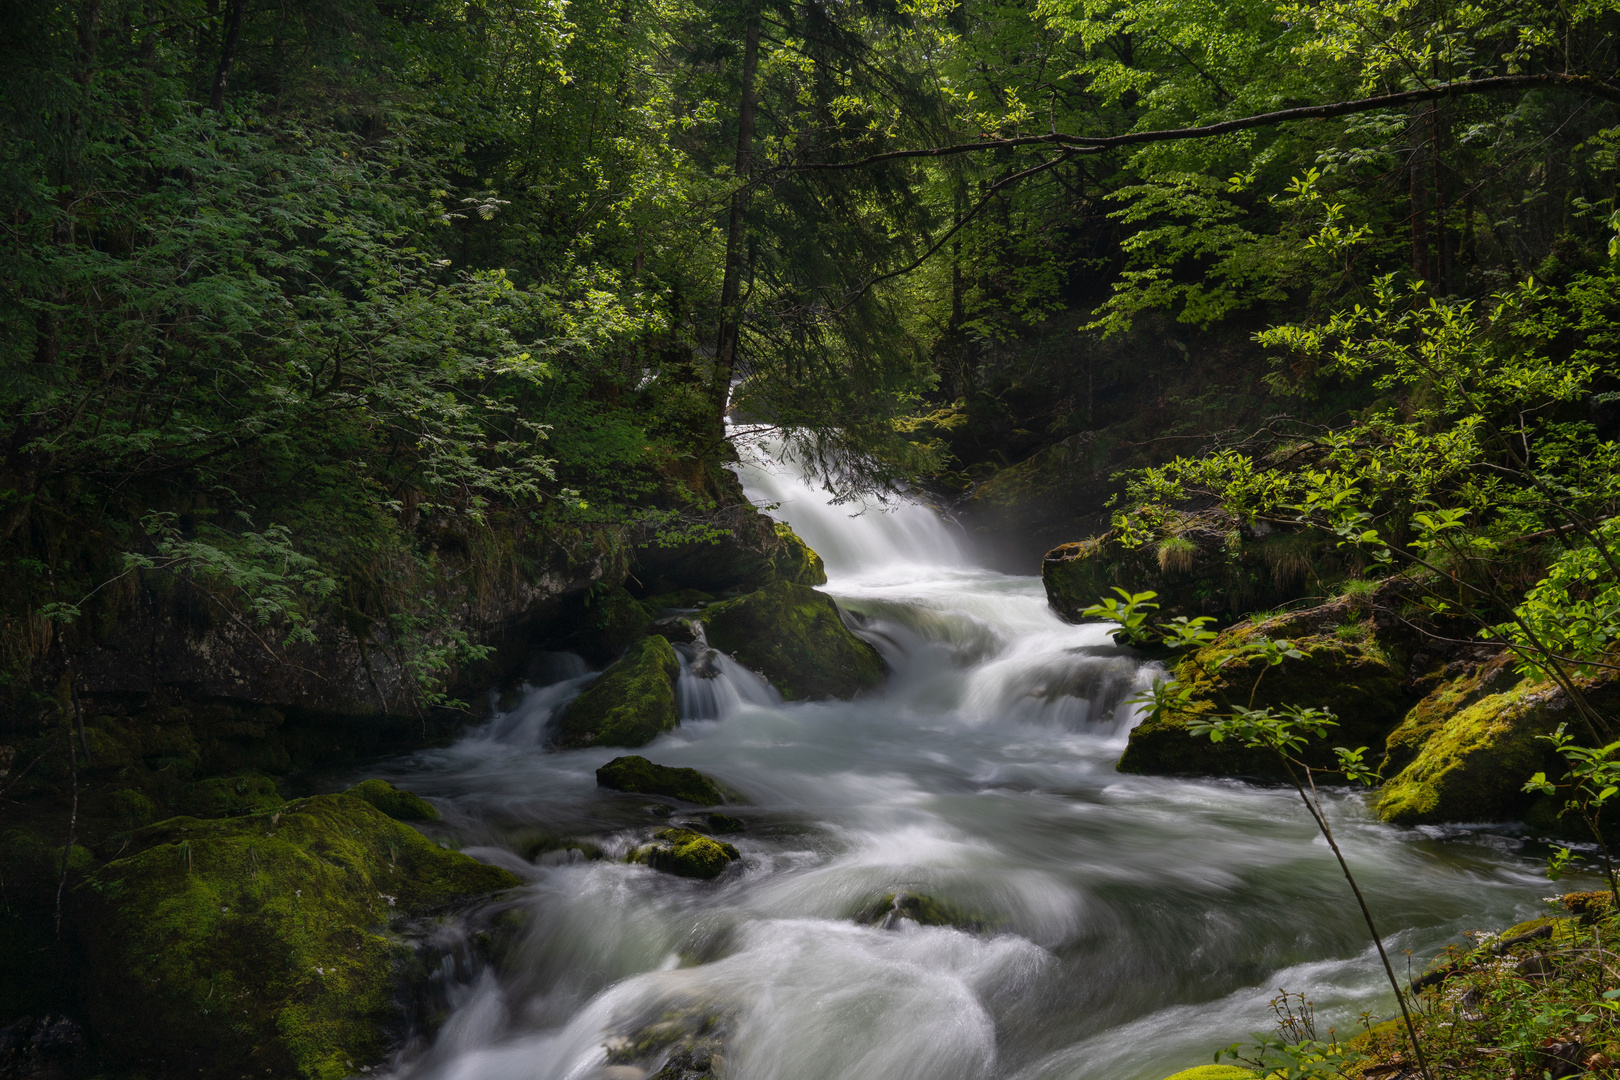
(1117, 927)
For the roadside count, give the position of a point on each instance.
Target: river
(1129, 926)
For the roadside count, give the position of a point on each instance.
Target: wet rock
(397, 803)
(721, 824)
(228, 796)
(607, 622)
(1475, 761)
(705, 663)
(685, 1042)
(683, 600)
(887, 911)
(677, 629)
(642, 777)
(686, 853)
(537, 844)
(1353, 674)
(262, 943)
(796, 638)
(794, 560)
(629, 704)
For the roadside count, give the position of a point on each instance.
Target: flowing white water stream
(1131, 925)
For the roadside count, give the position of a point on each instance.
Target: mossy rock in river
(686, 853)
(629, 704)
(794, 636)
(639, 776)
(259, 945)
(397, 803)
(1353, 676)
(888, 910)
(1474, 766)
(795, 561)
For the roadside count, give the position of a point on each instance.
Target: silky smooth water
(1131, 925)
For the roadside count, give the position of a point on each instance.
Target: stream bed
(1122, 927)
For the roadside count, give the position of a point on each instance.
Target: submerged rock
(397, 803)
(642, 777)
(260, 944)
(684, 1043)
(795, 637)
(1350, 672)
(629, 704)
(686, 853)
(887, 911)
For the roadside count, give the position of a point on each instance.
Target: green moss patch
(1440, 705)
(1355, 679)
(687, 853)
(794, 636)
(397, 803)
(260, 944)
(1214, 1072)
(629, 704)
(795, 561)
(228, 796)
(1473, 768)
(642, 777)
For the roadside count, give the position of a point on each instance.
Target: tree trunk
(227, 53)
(725, 353)
(1418, 142)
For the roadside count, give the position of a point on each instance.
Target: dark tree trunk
(725, 353)
(227, 53)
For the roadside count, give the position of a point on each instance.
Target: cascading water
(1117, 927)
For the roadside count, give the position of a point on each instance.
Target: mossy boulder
(686, 853)
(795, 637)
(1354, 676)
(1214, 1072)
(629, 704)
(397, 803)
(795, 561)
(642, 777)
(1204, 564)
(1473, 766)
(225, 796)
(1441, 704)
(606, 622)
(260, 944)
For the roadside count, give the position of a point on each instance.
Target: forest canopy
(297, 293)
